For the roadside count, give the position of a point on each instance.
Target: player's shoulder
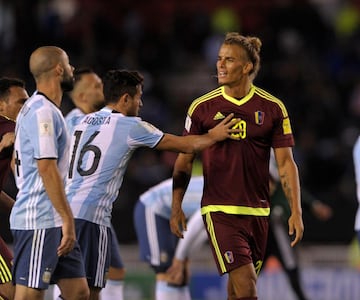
(205, 99)
(270, 99)
(39, 102)
(149, 127)
(38, 98)
(35, 106)
(74, 113)
(265, 95)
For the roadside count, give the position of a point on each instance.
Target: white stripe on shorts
(103, 246)
(36, 258)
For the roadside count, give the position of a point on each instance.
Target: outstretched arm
(195, 143)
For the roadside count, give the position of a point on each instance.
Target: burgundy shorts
(236, 240)
(6, 258)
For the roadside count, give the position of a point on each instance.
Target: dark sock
(295, 283)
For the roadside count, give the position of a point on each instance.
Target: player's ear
(59, 69)
(82, 96)
(248, 67)
(123, 98)
(126, 98)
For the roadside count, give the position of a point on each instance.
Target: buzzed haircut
(120, 82)
(78, 73)
(43, 59)
(6, 83)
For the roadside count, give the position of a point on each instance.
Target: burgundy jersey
(6, 125)
(236, 172)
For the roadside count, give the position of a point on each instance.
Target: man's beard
(99, 106)
(67, 84)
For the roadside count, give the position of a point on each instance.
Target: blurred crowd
(310, 60)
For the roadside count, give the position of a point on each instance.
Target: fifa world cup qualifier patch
(287, 126)
(46, 128)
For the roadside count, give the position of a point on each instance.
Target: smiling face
(232, 65)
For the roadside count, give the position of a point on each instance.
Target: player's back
(159, 197)
(73, 118)
(101, 146)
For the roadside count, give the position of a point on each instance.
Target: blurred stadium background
(310, 60)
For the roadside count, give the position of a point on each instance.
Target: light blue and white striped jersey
(73, 118)
(159, 197)
(101, 147)
(356, 161)
(40, 133)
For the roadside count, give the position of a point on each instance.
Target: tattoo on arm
(286, 187)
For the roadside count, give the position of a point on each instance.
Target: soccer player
(235, 203)
(101, 147)
(42, 224)
(88, 96)
(12, 97)
(157, 244)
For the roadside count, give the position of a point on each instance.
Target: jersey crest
(259, 117)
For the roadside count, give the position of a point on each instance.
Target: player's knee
(77, 293)
(242, 282)
(83, 293)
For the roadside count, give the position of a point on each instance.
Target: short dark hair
(120, 82)
(6, 83)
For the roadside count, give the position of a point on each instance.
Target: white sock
(163, 291)
(113, 290)
(56, 292)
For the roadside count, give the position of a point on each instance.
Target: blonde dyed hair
(250, 44)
